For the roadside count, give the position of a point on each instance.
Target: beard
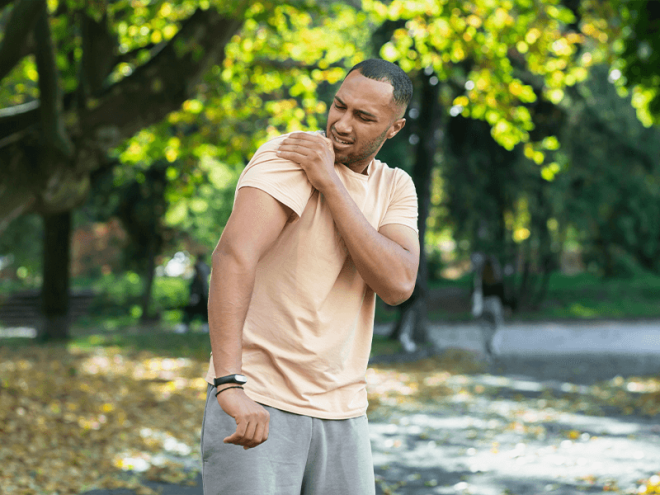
(365, 151)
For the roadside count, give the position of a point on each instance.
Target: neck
(359, 167)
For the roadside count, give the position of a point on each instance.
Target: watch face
(240, 378)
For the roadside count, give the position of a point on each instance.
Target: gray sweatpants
(302, 456)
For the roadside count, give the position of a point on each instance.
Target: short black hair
(382, 70)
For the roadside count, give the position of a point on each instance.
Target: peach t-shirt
(308, 329)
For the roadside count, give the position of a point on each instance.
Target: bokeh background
(532, 140)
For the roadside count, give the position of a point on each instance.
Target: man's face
(362, 116)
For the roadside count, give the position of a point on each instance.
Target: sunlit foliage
(630, 27)
(484, 48)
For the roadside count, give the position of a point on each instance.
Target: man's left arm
(387, 259)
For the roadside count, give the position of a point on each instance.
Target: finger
(266, 430)
(233, 438)
(304, 136)
(293, 156)
(258, 437)
(300, 148)
(304, 139)
(238, 435)
(248, 438)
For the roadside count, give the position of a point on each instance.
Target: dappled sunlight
(456, 377)
(74, 420)
(444, 418)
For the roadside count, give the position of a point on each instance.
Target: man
(318, 227)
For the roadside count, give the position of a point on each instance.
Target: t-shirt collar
(352, 173)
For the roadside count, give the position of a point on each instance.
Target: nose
(343, 125)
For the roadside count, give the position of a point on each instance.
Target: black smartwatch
(223, 380)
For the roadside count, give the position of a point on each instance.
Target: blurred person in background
(318, 228)
(487, 301)
(197, 306)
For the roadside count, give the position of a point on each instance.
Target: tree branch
(289, 64)
(98, 56)
(19, 26)
(125, 57)
(17, 118)
(50, 93)
(161, 85)
(33, 178)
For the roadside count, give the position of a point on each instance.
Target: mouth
(339, 141)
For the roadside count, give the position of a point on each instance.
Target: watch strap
(235, 379)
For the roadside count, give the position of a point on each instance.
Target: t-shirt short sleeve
(282, 179)
(402, 208)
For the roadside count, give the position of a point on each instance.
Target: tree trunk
(55, 287)
(148, 287)
(546, 256)
(411, 325)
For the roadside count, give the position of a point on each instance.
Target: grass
(570, 297)
(585, 296)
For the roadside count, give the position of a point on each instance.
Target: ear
(396, 126)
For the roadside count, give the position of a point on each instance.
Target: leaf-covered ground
(446, 426)
(74, 419)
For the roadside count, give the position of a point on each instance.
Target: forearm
(229, 297)
(385, 266)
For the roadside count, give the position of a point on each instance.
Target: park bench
(23, 309)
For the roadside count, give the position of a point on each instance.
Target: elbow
(399, 295)
(403, 285)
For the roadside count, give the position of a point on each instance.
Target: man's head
(368, 109)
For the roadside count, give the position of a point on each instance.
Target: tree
(141, 212)
(85, 106)
(608, 189)
(62, 136)
(634, 25)
(410, 325)
(494, 61)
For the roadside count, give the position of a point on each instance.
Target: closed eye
(363, 116)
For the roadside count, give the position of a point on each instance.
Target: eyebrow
(363, 112)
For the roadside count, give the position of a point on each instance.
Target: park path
(517, 437)
(616, 337)
(524, 425)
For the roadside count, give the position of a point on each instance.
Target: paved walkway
(556, 338)
(513, 439)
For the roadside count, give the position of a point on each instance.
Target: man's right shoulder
(270, 145)
(282, 179)
(266, 154)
